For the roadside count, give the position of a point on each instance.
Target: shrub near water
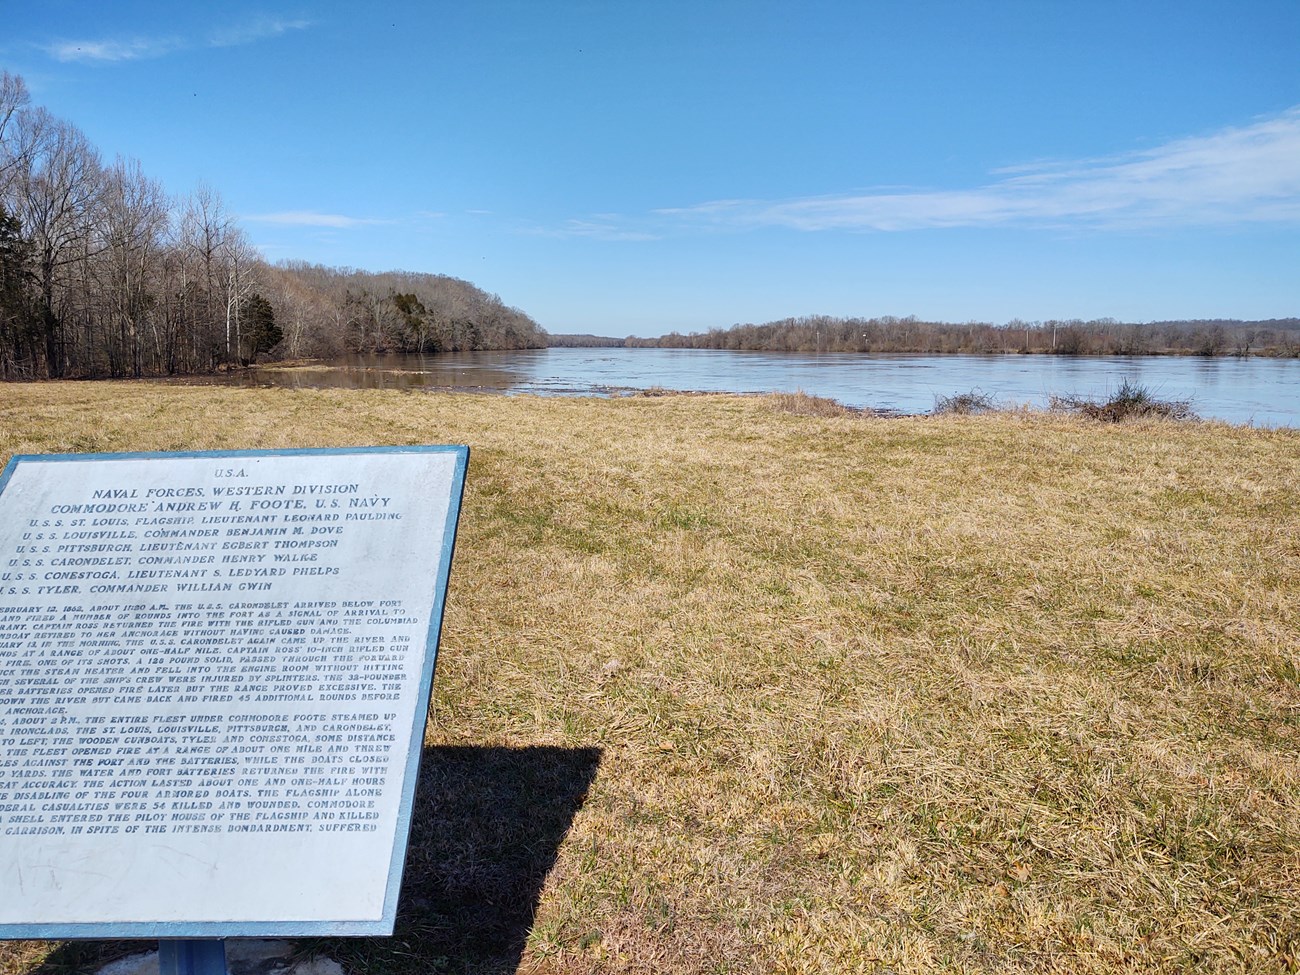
(965, 404)
(1130, 402)
(1004, 693)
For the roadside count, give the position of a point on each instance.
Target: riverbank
(1263, 392)
(997, 693)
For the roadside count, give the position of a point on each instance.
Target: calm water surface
(1265, 392)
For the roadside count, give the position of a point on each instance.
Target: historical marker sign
(214, 676)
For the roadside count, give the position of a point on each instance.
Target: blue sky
(633, 168)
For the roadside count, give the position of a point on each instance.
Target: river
(1263, 392)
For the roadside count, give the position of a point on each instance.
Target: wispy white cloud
(259, 29)
(114, 49)
(601, 226)
(118, 49)
(311, 218)
(1243, 175)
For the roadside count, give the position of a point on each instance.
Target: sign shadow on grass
(486, 829)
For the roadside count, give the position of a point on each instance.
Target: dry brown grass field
(1000, 693)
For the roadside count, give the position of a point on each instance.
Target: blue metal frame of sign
(243, 929)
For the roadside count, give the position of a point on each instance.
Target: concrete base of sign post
(252, 956)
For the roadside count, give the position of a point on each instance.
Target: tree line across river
(823, 333)
(102, 274)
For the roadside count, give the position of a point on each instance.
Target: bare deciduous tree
(240, 262)
(15, 138)
(133, 227)
(57, 196)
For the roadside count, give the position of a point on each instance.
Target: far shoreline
(1245, 391)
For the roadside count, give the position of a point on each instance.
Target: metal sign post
(192, 957)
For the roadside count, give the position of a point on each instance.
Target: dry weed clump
(965, 404)
(1130, 402)
(725, 689)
